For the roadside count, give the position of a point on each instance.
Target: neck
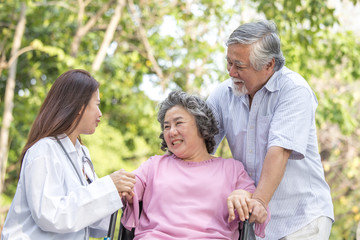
(198, 158)
(250, 101)
(73, 136)
(251, 96)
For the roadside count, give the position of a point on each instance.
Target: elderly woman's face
(181, 134)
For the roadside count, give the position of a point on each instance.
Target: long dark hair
(70, 92)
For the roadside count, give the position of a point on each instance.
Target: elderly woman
(184, 192)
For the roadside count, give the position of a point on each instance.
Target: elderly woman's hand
(238, 200)
(126, 197)
(124, 181)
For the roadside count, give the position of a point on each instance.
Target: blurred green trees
(134, 46)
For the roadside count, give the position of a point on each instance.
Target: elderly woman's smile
(181, 134)
(176, 142)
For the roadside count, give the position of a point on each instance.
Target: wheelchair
(125, 234)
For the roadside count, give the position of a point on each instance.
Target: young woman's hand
(124, 182)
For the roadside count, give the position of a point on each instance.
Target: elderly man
(267, 113)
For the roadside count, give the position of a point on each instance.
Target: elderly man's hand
(257, 209)
(238, 200)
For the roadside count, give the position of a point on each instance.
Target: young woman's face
(181, 134)
(91, 116)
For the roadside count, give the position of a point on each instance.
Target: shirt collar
(273, 84)
(68, 145)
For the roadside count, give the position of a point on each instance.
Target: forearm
(271, 174)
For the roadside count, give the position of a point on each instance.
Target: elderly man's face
(246, 80)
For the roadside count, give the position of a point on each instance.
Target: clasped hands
(124, 182)
(244, 204)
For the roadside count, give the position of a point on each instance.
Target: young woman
(185, 191)
(59, 195)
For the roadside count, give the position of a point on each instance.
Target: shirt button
(250, 150)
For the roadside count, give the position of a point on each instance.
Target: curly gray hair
(204, 117)
(264, 40)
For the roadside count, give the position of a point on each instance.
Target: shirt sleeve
(243, 179)
(292, 121)
(130, 218)
(100, 228)
(55, 210)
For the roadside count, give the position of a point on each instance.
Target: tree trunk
(110, 31)
(148, 48)
(83, 30)
(9, 96)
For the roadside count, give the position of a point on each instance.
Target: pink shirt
(186, 200)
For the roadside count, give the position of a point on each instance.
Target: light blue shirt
(282, 114)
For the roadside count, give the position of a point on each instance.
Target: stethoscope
(73, 165)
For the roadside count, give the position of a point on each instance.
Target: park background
(139, 50)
